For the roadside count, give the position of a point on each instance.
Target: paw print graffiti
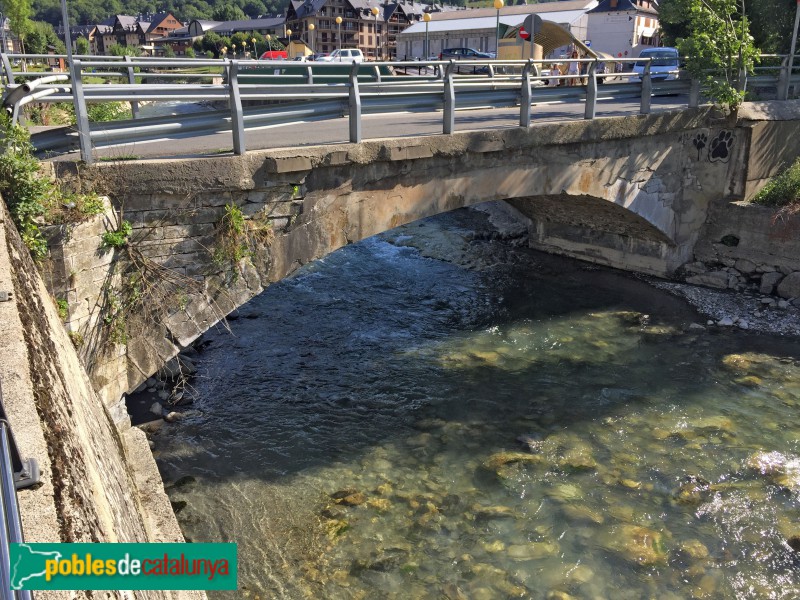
(720, 148)
(699, 142)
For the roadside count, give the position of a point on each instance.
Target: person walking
(573, 69)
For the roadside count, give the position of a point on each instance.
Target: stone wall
(746, 247)
(98, 484)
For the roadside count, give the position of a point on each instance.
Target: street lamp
(268, 37)
(311, 28)
(255, 50)
(498, 4)
(427, 18)
(288, 41)
(339, 34)
(234, 50)
(375, 12)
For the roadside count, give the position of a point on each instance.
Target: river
(438, 413)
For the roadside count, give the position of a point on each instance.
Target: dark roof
(624, 6)
(247, 25)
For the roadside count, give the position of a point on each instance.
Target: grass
(782, 191)
(119, 157)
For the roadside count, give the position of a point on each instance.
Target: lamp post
(311, 28)
(427, 18)
(339, 34)
(255, 50)
(375, 12)
(234, 50)
(498, 4)
(268, 38)
(288, 42)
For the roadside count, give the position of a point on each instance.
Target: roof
(624, 6)
(490, 22)
(246, 24)
(539, 9)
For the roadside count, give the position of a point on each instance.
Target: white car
(350, 55)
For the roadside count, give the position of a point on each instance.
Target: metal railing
(15, 473)
(260, 93)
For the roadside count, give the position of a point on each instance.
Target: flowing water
(501, 424)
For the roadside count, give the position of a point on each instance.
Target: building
(182, 39)
(624, 27)
(374, 34)
(128, 31)
(478, 28)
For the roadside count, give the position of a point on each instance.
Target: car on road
(463, 54)
(664, 64)
(350, 55)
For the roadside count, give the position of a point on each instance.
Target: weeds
(63, 309)
(782, 191)
(238, 236)
(119, 237)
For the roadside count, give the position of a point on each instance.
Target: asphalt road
(394, 125)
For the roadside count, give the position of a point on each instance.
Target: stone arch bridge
(628, 192)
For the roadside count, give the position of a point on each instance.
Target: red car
(274, 55)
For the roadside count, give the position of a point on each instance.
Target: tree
(19, 16)
(771, 24)
(169, 52)
(117, 50)
(41, 38)
(228, 12)
(717, 43)
(82, 46)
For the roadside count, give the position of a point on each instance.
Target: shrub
(783, 190)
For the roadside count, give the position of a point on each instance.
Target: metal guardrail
(288, 91)
(15, 473)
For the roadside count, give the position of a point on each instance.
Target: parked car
(466, 54)
(318, 56)
(463, 54)
(664, 64)
(350, 55)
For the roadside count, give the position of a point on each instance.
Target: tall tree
(717, 43)
(19, 16)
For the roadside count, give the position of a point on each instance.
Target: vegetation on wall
(783, 190)
(237, 238)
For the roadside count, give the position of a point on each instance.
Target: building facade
(623, 28)
(374, 34)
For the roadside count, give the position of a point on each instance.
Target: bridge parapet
(627, 192)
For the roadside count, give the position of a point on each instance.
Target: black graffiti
(699, 142)
(720, 148)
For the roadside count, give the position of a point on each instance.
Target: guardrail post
(7, 68)
(694, 93)
(783, 80)
(237, 116)
(81, 114)
(309, 75)
(25, 471)
(132, 81)
(449, 116)
(525, 97)
(490, 71)
(377, 70)
(647, 90)
(591, 91)
(355, 106)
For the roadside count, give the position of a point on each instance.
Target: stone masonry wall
(98, 484)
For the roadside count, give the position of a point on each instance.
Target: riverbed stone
(743, 265)
(790, 286)
(636, 544)
(532, 551)
(156, 408)
(500, 459)
(714, 279)
(769, 281)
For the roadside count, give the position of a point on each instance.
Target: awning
(648, 32)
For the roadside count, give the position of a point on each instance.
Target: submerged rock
(778, 468)
(694, 490)
(500, 459)
(636, 544)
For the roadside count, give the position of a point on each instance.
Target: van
(664, 64)
(344, 55)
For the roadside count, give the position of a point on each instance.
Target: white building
(623, 28)
(477, 28)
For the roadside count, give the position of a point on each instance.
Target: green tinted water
(385, 425)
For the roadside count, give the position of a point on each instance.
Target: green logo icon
(123, 566)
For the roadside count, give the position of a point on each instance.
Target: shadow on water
(357, 349)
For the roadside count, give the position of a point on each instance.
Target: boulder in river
(636, 544)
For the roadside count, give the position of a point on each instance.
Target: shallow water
(358, 436)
